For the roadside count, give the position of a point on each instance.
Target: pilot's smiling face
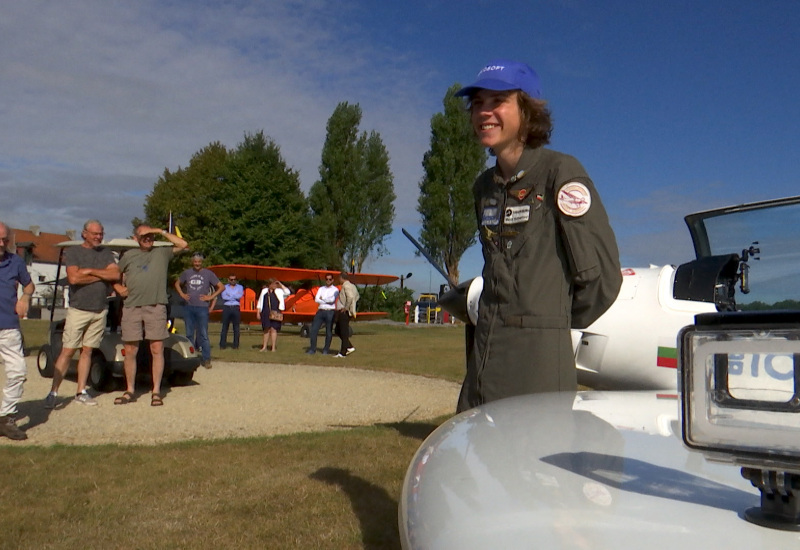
(496, 119)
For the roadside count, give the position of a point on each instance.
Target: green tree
(352, 202)
(237, 206)
(446, 204)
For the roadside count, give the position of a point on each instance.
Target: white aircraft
(745, 254)
(715, 465)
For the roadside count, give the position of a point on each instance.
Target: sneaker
(207, 364)
(85, 399)
(50, 401)
(311, 352)
(350, 350)
(339, 355)
(8, 428)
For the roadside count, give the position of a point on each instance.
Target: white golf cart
(180, 357)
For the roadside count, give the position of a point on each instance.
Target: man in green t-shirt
(144, 311)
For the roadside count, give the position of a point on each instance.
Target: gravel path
(234, 400)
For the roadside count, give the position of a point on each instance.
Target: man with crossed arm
(90, 271)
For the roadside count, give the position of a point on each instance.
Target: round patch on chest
(574, 199)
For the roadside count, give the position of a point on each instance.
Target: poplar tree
(352, 203)
(446, 203)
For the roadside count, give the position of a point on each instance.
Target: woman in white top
(270, 302)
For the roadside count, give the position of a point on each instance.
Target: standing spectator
(231, 311)
(90, 271)
(202, 288)
(346, 309)
(281, 292)
(12, 274)
(144, 312)
(269, 311)
(326, 299)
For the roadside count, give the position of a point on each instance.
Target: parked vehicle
(181, 359)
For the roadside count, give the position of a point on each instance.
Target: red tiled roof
(44, 249)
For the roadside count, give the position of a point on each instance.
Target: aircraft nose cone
(454, 302)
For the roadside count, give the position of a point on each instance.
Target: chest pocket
(528, 219)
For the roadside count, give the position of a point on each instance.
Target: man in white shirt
(326, 300)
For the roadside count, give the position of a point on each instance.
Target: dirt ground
(233, 400)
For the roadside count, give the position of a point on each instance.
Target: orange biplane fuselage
(300, 306)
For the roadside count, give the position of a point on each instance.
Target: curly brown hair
(537, 123)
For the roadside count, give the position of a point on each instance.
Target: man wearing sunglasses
(144, 312)
(231, 311)
(326, 309)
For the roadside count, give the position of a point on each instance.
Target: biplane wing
(300, 306)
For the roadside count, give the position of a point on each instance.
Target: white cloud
(100, 97)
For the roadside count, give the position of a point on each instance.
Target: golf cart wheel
(44, 361)
(181, 378)
(100, 377)
(304, 331)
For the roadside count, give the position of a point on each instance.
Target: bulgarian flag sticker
(667, 357)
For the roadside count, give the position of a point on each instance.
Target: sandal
(156, 400)
(125, 398)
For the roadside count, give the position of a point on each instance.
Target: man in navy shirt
(13, 273)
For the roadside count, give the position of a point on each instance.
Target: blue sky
(673, 107)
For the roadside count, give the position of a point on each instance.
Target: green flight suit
(545, 271)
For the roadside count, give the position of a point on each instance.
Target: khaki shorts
(152, 318)
(83, 329)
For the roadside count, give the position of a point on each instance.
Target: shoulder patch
(574, 199)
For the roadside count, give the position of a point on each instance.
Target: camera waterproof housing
(739, 376)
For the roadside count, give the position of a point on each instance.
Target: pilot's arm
(592, 253)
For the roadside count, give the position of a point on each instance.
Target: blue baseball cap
(501, 75)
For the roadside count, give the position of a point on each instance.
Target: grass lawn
(333, 490)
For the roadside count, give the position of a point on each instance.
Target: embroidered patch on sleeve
(574, 199)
